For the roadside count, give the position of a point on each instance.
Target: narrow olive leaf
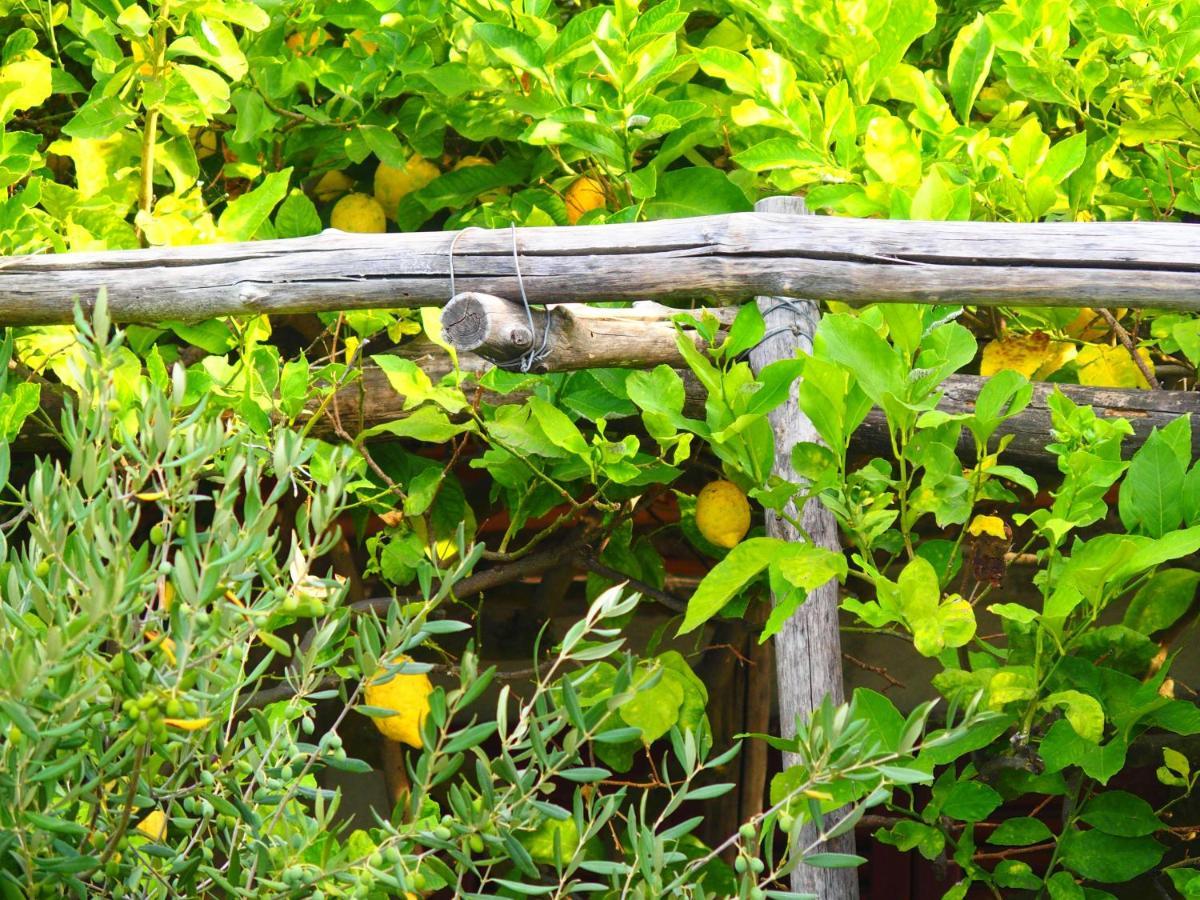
(585, 774)
(617, 735)
(470, 737)
(834, 860)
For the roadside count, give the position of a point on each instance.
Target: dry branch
(728, 259)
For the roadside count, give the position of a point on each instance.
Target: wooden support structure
(1145, 410)
(808, 649)
(727, 259)
(777, 256)
(565, 338)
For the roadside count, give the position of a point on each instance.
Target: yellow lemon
(408, 697)
(989, 525)
(331, 185)
(358, 212)
(584, 195)
(392, 184)
(722, 513)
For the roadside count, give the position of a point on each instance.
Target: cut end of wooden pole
(491, 325)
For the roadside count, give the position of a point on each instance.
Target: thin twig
(126, 808)
(1014, 851)
(1127, 343)
(878, 670)
(670, 602)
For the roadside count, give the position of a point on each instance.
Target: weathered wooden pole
(724, 259)
(566, 337)
(808, 651)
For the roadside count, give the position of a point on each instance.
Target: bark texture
(727, 259)
(808, 649)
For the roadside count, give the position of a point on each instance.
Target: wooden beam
(377, 403)
(1145, 410)
(566, 338)
(808, 648)
(726, 259)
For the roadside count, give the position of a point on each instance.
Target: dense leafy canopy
(175, 631)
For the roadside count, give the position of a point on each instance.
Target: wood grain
(568, 337)
(724, 259)
(808, 648)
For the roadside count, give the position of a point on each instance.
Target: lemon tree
(180, 661)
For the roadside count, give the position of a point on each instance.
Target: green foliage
(165, 543)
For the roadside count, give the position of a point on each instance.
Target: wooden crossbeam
(564, 338)
(719, 259)
(377, 403)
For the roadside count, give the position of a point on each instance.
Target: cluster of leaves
(204, 120)
(145, 753)
(1072, 690)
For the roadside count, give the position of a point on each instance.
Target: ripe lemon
(408, 696)
(393, 184)
(584, 195)
(722, 513)
(331, 185)
(358, 212)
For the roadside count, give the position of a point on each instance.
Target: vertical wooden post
(808, 651)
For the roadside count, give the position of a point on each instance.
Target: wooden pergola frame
(775, 252)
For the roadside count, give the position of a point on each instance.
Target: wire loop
(784, 303)
(537, 351)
